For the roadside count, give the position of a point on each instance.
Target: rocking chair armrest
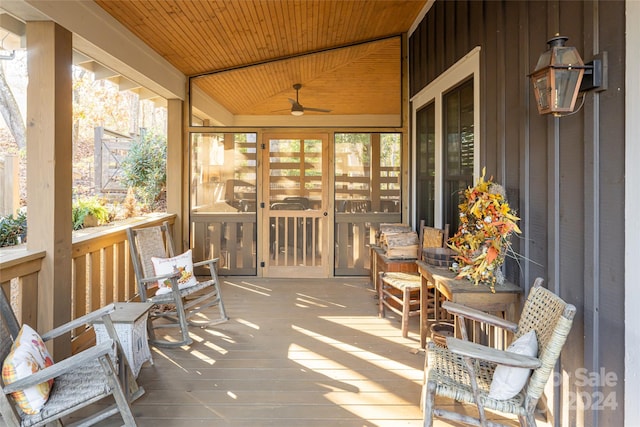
(59, 368)
(80, 321)
(490, 354)
(205, 262)
(151, 279)
(479, 316)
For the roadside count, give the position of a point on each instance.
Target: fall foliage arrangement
(483, 237)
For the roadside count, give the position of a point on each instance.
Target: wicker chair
(177, 308)
(80, 380)
(464, 371)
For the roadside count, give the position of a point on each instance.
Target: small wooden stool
(400, 293)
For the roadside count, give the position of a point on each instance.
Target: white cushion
(28, 355)
(508, 381)
(182, 263)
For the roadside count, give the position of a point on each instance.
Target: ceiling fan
(298, 109)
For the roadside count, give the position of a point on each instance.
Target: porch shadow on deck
(294, 353)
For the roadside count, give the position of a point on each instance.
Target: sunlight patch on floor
(159, 353)
(247, 323)
(220, 335)
(208, 344)
(374, 359)
(260, 290)
(371, 326)
(318, 301)
(371, 404)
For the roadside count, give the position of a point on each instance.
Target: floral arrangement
(482, 240)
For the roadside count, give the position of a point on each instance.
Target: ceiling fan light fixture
(297, 109)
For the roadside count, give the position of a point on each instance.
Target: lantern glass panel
(565, 92)
(542, 91)
(567, 56)
(544, 60)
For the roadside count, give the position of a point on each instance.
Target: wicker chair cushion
(28, 355)
(85, 384)
(182, 263)
(507, 380)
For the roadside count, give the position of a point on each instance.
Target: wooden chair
(177, 308)
(80, 380)
(432, 237)
(400, 292)
(465, 371)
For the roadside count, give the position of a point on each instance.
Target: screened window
(367, 171)
(425, 164)
(367, 193)
(223, 200)
(446, 129)
(458, 149)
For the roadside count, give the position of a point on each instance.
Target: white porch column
(177, 166)
(49, 168)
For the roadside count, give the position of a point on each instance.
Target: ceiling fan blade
(294, 102)
(319, 110)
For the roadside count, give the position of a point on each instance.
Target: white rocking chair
(179, 306)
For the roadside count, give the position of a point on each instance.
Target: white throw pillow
(28, 355)
(508, 381)
(182, 263)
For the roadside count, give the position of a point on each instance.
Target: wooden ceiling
(248, 54)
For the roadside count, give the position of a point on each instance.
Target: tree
(144, 167)
(11, 113)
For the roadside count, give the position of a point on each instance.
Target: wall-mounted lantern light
(560, 75)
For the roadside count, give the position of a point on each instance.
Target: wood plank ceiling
(249, 53)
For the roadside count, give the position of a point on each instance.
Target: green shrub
(89, 206)
(13, 231)
(144, 168)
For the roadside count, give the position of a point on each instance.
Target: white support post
(49, 171)
(177, 167)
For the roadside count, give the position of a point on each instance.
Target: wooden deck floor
(294, 353)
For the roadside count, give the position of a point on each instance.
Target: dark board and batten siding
(565, 176)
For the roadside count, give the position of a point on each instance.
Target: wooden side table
(130, 322)
(505, 301)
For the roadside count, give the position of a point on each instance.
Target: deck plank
(294, 352)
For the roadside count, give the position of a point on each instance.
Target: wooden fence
(9, 185)
(110, 149)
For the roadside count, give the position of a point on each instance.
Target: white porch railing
(101, 272)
